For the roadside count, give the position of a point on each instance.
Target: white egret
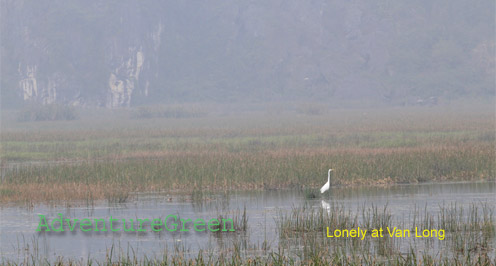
(328, 184)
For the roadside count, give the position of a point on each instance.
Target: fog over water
(237, 109)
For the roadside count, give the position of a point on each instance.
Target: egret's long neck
(329, 176)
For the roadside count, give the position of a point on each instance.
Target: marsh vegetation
(112, 157)
(198, 163)
(298, 235)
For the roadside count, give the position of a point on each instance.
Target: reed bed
(303, 241)
(470, 233)
(411, 258)
(220, 171)
(109, 158)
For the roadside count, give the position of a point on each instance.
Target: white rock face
(140, 59)
(123, 79)
(28, 83)
(44, 91)
(49, 94)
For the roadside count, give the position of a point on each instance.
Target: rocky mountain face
(128, 52)
(130, 70)
(68, 52)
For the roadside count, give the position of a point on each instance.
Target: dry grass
(109, 158)
(31, 193)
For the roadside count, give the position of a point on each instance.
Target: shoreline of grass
(339, 257)
(468, 239)
(74, 192)
(377, 147)
(221, 170)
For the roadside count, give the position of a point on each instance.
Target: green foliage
(144, 112)
(50, 112)
(255, 152)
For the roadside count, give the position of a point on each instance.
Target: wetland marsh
(407, 168)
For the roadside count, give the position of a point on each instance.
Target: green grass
(246, 151)
(469, 240)
(50, 112)
(469, 233)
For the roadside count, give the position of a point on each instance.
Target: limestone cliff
(120, 53)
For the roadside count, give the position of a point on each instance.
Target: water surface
(19, 238)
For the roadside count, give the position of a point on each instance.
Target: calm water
(19, 238)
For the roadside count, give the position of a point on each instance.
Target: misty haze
(203, 132)
(129, 53)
